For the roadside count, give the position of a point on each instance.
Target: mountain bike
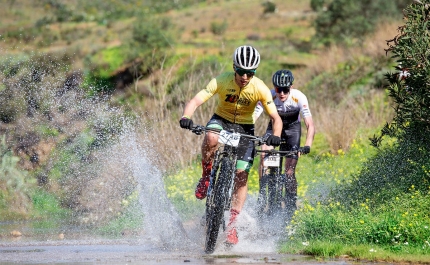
(272, 200)
(221, 184)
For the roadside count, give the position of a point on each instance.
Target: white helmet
(246, 57)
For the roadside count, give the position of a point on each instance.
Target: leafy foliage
(13, 184)
(152, 40)
(269, 7)
(342, 20)
(382, 204)
(317, 5)
(219, 28)
(409, 85)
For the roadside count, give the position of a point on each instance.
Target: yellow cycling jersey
(237, 104)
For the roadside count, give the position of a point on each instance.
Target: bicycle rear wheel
(217, 202)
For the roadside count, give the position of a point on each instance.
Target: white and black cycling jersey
(289, 109)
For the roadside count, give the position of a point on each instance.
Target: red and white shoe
(232, 238)
(202, 188)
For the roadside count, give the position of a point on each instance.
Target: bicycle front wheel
(217, 202)
(276, 190)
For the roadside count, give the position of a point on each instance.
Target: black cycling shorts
(245, 149)
(290, 136)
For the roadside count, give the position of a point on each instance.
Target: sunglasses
(241, 71)
(282, 89)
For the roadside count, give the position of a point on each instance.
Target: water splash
(162, 223)
(254, 235)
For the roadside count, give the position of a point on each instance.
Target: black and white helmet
(246, 57)
(283, 78)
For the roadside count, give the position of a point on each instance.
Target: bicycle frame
(272, 182)
(222, 151)
(221, 184)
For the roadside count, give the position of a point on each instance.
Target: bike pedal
(228, 245)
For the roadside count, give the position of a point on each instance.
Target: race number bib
(272, 160)
(229, 138)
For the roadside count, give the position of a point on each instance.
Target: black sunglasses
(241, 71)
(282, 89)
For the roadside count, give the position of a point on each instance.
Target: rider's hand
(273, 140)
(305, 150)
(186, 122)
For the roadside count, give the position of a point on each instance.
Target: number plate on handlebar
(272, 160)
(229, 138)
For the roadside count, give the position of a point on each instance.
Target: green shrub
(410, 92)
(218, 28)
(106, 62)
(47, 206)
(12, 105)
(348, 19)
(14, 185)
(269, 7)
(150, 48)
(317, 5)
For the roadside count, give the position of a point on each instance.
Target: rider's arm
(307, 117)
(310, 130)
(192, 106)
(270, 109)
(276, 123)
(200, 98)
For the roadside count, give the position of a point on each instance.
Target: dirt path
(132, 252)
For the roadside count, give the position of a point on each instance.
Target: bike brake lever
(198, 130)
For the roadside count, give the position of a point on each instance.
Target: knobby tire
(216, 203)
(272, 194)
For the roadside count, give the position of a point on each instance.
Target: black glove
(273, 140)
(305, 150)
(186, 123)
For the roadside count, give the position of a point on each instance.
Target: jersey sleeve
(257, 111)
(259, 108)
(304, 106)
(267, 101)
(209, 91)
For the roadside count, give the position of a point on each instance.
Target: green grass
(128, 222)
(329, 249)
(47, 205)
(352, 217)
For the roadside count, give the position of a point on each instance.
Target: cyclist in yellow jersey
(238, 93)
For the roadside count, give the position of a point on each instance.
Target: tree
(409, 84)
(341, 20)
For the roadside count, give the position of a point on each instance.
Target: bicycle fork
(213, 172)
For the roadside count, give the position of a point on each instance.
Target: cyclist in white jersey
(290, 103)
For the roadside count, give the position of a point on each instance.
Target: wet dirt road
(133, 252)
(159, 245)
(140, 251)
(75, 246)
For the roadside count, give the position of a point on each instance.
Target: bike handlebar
(199, 129)
(287, 153)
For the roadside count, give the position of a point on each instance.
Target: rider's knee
(241, 178)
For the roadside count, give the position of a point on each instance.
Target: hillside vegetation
(80, 76)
